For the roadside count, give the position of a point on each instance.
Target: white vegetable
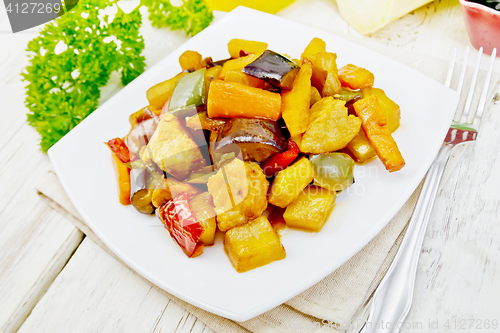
(368, 16)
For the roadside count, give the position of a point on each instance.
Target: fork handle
(393, 298)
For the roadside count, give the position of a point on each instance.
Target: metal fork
(393, 298)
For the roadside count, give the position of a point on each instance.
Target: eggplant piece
(284, 130)
(256, 138)
(140, 193)
(274, 69)
(273, 89)
(221, 62)
(212, 144)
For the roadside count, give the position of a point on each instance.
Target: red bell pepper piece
(279, 161)
(181, 223)
(120, 149)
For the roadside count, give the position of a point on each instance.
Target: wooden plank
(460, 263)
(96, 293)
(35, 241)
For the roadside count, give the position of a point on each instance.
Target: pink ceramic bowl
(483, 25)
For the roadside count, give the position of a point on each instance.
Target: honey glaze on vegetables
(252, 144)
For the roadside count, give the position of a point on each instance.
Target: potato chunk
(315, 46)
(360, 148)
(249, 46)
(374, 125)
(159, 94)
(390, 109)
(355, 77)
(169, 188)
(173, 148)
(327, 62)
(203, 208)
(295, 102)
(290, 182)
(239, 191)
(311, 208)
(190, 60)
(330, 128)
(253, 245)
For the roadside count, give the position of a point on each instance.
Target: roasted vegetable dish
(251, 144)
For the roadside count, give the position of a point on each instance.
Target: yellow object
(315, 96)
(370, 112)
(389, 108)
(203, 208)
(327, 61)
(249, 46)
(169, 188)
(290, 182)
(190, 60)
(159, 94)
(239, 193)
(240, 77)
(295, 102)
(360, 148)
(173, 149)
(315, 46)
(253, 245)
(311, 208)
(237, 64)
(330, 127)
(267, 6)
(355, 77)
(369, 16)
(211, 74)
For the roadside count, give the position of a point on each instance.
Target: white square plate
(83, 165)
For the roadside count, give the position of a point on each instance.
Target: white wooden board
(35, 241)
(459, 265)
(96, 293)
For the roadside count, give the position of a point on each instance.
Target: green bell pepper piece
(333, 171)
(189, 91)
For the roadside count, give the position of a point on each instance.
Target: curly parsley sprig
(64, 82)
(64, 85)
(192, 16)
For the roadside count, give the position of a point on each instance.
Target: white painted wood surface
(96, 293)
(35, 241)
(458, 269)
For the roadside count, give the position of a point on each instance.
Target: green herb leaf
(192, 16)
(64, 85)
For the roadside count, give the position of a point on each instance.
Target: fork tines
(463, 115)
